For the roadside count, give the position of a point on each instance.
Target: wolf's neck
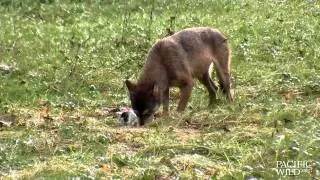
(153, 73)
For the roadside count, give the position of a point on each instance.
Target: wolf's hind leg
(211, 87)
(222, 61)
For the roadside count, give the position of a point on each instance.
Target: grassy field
(69, 61)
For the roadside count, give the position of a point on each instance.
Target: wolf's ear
(131, 85)
(156, 90)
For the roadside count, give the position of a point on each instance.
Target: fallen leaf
(105, 93)
(5, 123)
(44, 113)
(105, 169)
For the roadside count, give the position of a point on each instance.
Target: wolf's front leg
(165, 101)
(185, 92)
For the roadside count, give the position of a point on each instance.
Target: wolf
(175, 61)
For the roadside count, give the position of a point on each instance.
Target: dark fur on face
(145, 100)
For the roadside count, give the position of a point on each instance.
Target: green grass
(74, 55)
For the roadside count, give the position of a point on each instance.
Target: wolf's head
(145, 100)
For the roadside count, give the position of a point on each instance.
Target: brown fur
(175, 61)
